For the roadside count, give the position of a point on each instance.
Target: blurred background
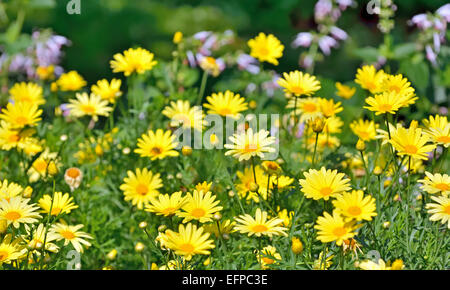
(106, 27)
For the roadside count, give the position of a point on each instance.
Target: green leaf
(417, 72)
(368, 54)
(404, 50)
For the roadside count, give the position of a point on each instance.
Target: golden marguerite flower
(333, 228)
(266, 48)
(73, 235)
(260, 225)
(188, 241)
(370, 79)
(384, 103)
(181, 113)
(401, 87)
(308, 108)
(165, 204)
(438, 129)
(9, 189)
(248, 144)
(35, 239)
(137, 60)
(440, 210)
(226, 104)
(344, 91)
(157, 145)
(71, 81)
(370, 265)
(205, 186)
(61, 204)
(333, 125)
(329, 108)
(324, 183)
(17, 210)
(85, 105)
(109, 91)
(200, 206)
(436, 183)
(364, 129)
(10, 250)
(354, 205)
(141, 187)
(411, 142)
(268, 256)
(45, 72)
(220, 228)
(299, 84)
(22, 114)
(27, 92)
(247, 181)
(210, 65)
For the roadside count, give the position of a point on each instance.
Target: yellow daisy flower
(333, 125)
(188, 241)
(354, 205)
(19, 115)
(266, 48)
(384, 103)
(71, 81)
(210, 65)
(9, 189)
(137, 60)
(440, 210)
(260, 225)
(324, 183)
(10, 250)
(364, 129)
(401, 87)
(344, 91)
(40, 166)
(333, 228)
(221, 228)
(370, 265)
(411, 142)
(205, 186)
(299, 84)
(73, 235)
(199, 206)
(226, 104)
(370, 79)
(436, 183)
(248, 144)
(309, 108)
(329, 108)
(268, 256)
(36, 237)
(27, 92)
(166, 205)
(181, 113)
(157, 145)
(141, 187)
(46, 72)
(17, 210)
(281, 182)
(438, 129)
(247, 180)
(61, 204)
(86, 105)
(108, 91)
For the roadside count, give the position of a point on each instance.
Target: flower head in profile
(299, 84)
(260, 225)
(370, 265)
(141, 187)
(133, 60)
(333, 228)
(344, 91)
(17, 210)
(9, 189)
(71, 81)
(411, 142)
(165, 204)
(108, 91)
(370, 79)
(436, 183)
(181, 113)
(248, 144)
(199, 206)
(72, 235)
(211, 65)
(60, 204)
(73, 177)
(22, 114)
(226, 104)
(268, 256)
(157, 145)
(438, 129)
(247, 181)
(10, 250)
(88, 105)
(205, 186)
(220, 228)
(440, 210)
(364, 129)
(266, 48)
(354, 205)
(324, 183)
(36, 237)
(188, 241)
(384, 103)
(28, 93)
(329, 108)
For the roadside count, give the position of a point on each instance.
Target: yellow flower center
(13, 215)
(443, 139)
(21, 120)
(447, 209)
(14, 138)
(68, 235)
(297, 90)
(371, 86)
(263, 51)
(309, 107)
(3, 255)
(56, 211)
(259, 228)
(156, 151)
(395, 88)
(385, 107)
(339, 231)
(198, 212)
(188, 248)
(364, 135)
(168, 211)
(88, 109)
(224, 111)
(442, 186)
(354, 210)
(40, 165)
(326, 191)
(410, 149)
(267, 260)
(250, 148)
(142, 189)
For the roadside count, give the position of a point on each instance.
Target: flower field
(214, 158)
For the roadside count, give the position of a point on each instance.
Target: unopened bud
(112, 254)
(142, 225)
(360, 145)
(297, 246)
(377, 170)
(253, 187)
(217, 216)
(186, 150)
(162, 228)
(139, 247)
(52, 169)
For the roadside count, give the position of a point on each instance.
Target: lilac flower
(48, 52)
(307, 61)
(322, 9)
(338, 33)
(202, 35)
(436, 42)
(444, 11)
(191, 58)
(431, 55)
(343, 4)
(421, 21)
(440, 24)
(271, 86)
(443, 111)
(221, 63)
(300, 130)
(210, 42)
(302, 39)
(248, 63)
(65, 110)
(326, 43)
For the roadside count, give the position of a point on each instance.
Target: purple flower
(322, 9)
(202, 35)
(300, 130)
(302, 39)
(421, 20)
(307, 61)
(444, 11)
(338, 33)
(191, 58)
(248, 63)
(221, 63)
(272, 85)
(431, 55)
(343, 4)
(440, 24)
(443, 111)
(436, 42)
(326, 43)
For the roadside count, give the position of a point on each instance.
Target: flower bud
(377, 170)
(142, 225)
(112, 254)
(317, 124)
(360, 145)
(217, 216)
(52, 169)
(186, 150)
(27, 192)
(297, 246)
(386, 224)
(253, 187)
(397, 265)
(139, 247)
(162, 228)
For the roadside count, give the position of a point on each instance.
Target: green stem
(202, 87)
